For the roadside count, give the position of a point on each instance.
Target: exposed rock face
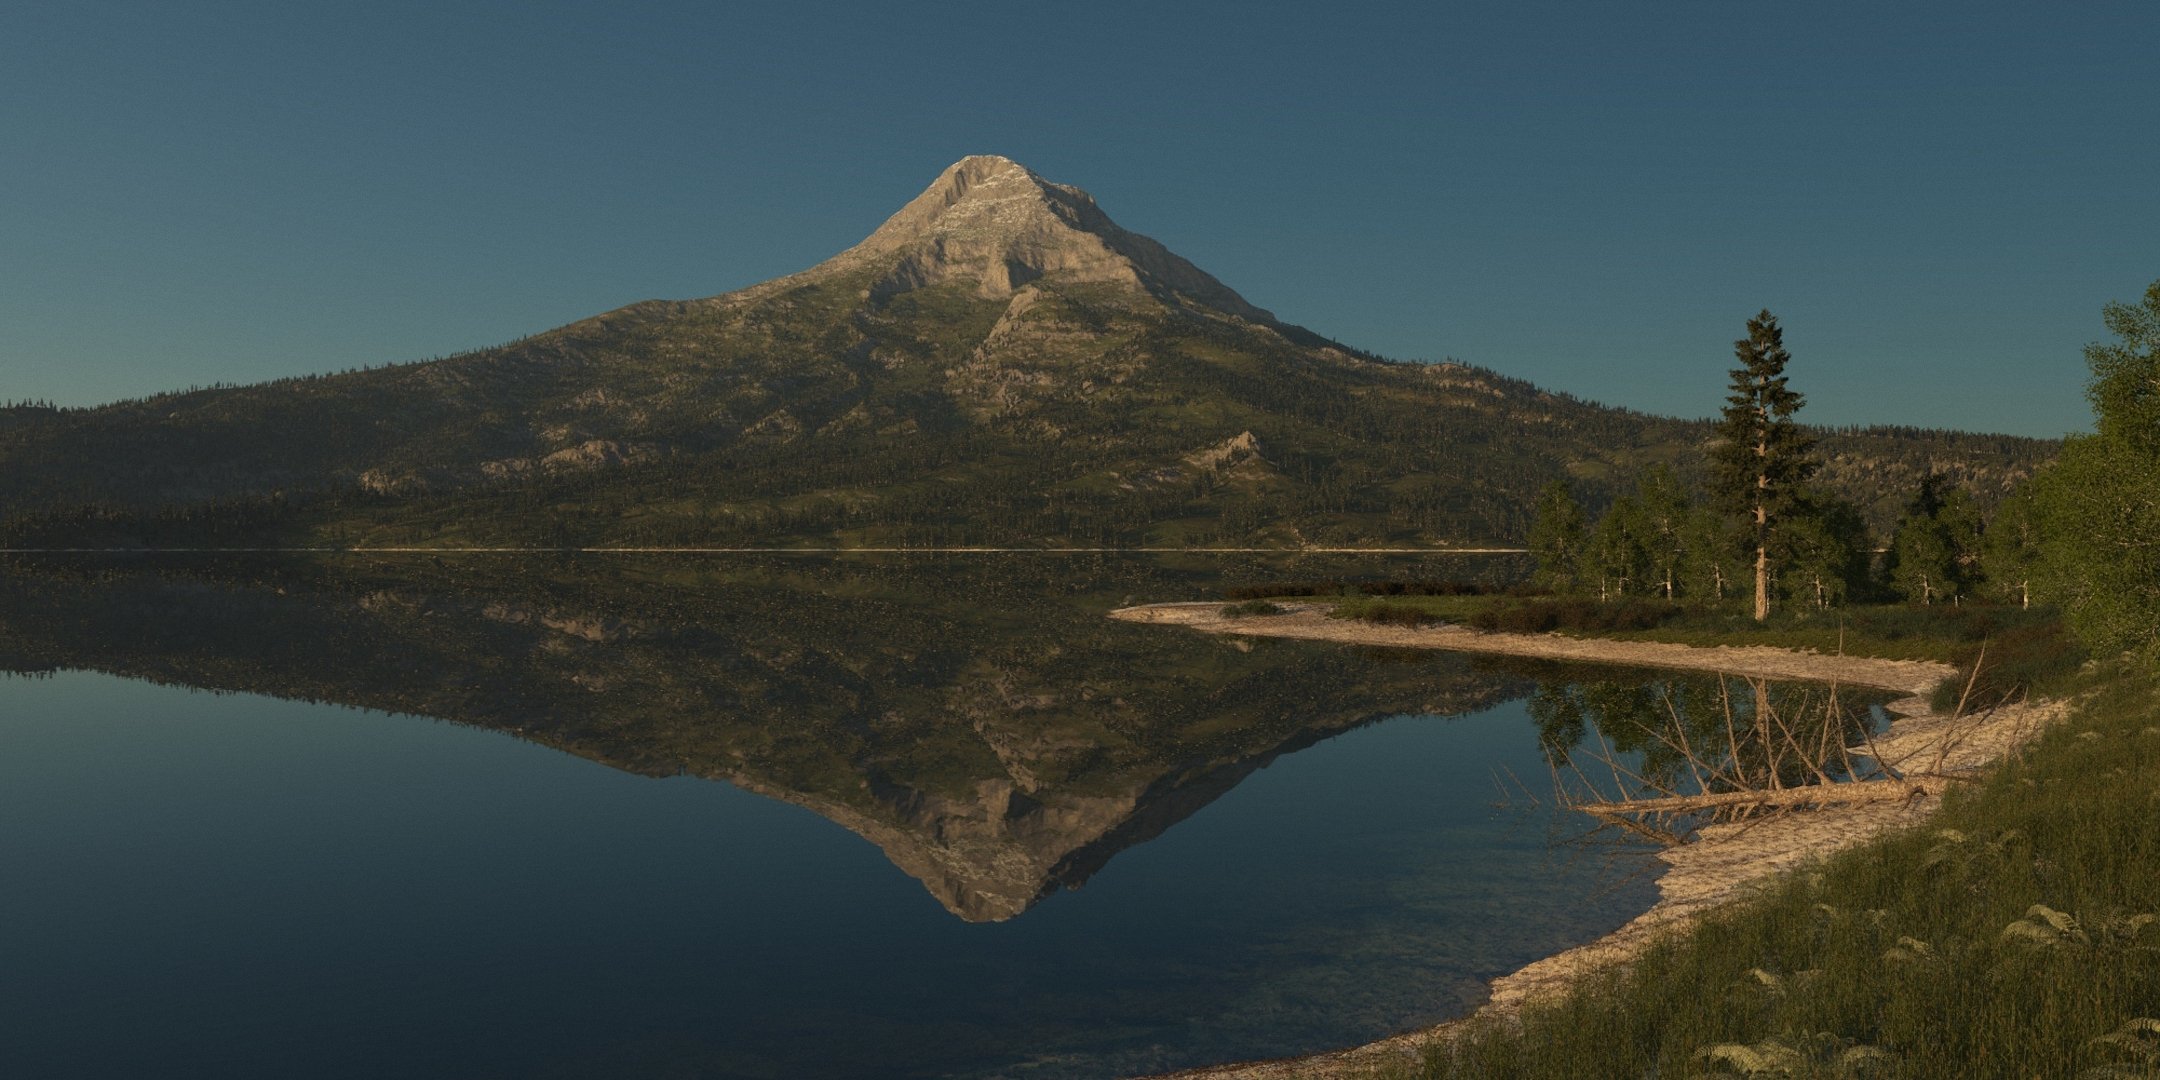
(990, 221)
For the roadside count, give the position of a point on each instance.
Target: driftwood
(1835, 794)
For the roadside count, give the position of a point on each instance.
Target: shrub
(1347, 587)
(1382, 612)
(1250, 607)
(1546, 616)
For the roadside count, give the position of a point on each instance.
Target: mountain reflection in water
(996, 743)
(979, 721)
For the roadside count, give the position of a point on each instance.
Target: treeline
(1663, 539)
(810, 420)
(2082, 534)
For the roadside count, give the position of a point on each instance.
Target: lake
(751, 818)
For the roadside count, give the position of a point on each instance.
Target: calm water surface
(246, 885)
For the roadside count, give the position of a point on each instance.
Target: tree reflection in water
(1683, 740)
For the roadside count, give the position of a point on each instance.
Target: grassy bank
(2014, 935)
(1892, 631)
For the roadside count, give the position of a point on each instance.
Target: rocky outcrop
(990, 222)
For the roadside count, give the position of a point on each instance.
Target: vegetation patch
(1383, 612)
(1354, 587)
(1575, 613)
(2022, 662)
(2017, 935)
(1890, 631)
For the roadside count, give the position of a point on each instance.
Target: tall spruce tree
(1761, 457)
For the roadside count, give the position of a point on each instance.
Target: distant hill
(999, 362)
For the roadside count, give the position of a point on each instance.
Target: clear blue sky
(1936, 198)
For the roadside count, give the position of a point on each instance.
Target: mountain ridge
(997, 362)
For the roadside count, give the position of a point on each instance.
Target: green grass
(2012, 935)
(1892, 631)
(1941, 633)
(1386, 612)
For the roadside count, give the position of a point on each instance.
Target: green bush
(1382, 612)
(1250, 607)
(1350, 587)
(1582, 615)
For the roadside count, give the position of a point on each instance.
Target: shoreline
(1726, 863)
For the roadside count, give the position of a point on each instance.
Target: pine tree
(1762, 457)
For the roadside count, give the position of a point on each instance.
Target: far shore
(1310, 621)
(1726, 862)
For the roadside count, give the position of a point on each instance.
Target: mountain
(998, 363)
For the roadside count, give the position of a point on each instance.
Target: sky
(1935, 199)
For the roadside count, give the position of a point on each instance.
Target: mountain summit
(999, 363)
(990, 222)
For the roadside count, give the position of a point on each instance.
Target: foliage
(1250, 607)
(2125, 386)
(2097, 508)
(1383, 612)
(1822, 552)
(1714, 559)
(1658, 541)
(1762, 456)
(1616, 556)
(1935, 553)
(1662, 515)
(1896, 631)
(810, 415)
(1377, 587)
(1557, 536)
(1574, 614)
(2011, 548)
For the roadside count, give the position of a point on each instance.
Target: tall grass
(1361, 587)
(1575, 614)
(2021, 662)
(2012, 936)
(1383, 612)
(1943, 632)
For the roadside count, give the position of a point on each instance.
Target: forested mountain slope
(998, 363)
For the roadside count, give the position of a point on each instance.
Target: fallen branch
(1857, 791)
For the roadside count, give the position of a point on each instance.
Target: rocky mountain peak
(990, 221)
